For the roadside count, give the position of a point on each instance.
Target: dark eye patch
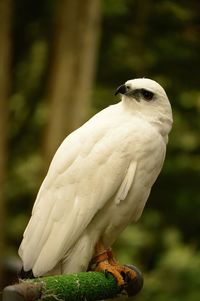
(147, 95)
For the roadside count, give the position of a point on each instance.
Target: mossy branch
(74, 287)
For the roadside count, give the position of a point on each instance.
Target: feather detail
(126, 184)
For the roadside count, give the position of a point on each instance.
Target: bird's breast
(149, 163)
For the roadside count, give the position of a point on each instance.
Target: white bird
(98, 182)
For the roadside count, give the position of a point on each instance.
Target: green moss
(81, 286)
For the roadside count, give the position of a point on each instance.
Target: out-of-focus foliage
(157, 39)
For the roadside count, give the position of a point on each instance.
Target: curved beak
(121, 89)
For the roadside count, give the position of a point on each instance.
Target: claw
(103, 261)
(108, 268)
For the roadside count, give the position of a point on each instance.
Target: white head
(146, 97)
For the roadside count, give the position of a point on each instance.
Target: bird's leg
(103, 261)
(100, 262)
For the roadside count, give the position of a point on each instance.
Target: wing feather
(81, 178)
(127, 183)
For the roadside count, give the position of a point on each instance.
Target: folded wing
(81, 179)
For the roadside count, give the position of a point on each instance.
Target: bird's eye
(148, 95)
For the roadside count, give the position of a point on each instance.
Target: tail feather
(26, 274)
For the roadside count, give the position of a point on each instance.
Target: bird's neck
(162, 123)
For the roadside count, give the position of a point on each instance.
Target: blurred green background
(60, 62)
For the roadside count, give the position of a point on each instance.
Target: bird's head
(147, 98)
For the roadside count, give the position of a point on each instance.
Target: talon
(106, 273)
(103, 261)
(127, 272)
(108, 268)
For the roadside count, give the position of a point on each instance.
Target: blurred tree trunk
(140, 31)
(5, 27)
(72, 69)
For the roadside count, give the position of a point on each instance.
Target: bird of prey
(98, 182)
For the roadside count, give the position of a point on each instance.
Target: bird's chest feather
(149, 155)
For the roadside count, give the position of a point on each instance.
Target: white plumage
(98, 181)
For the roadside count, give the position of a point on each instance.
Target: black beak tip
(121, 89)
